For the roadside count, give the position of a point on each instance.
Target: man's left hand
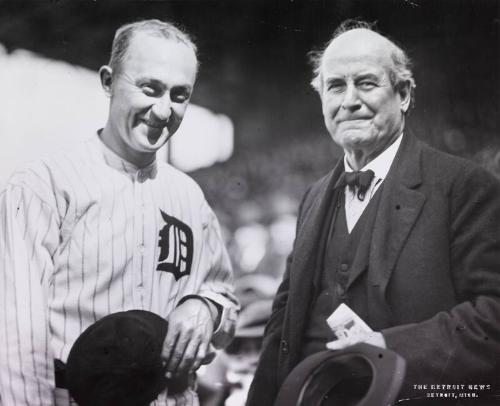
(373, 338)
(190, 329)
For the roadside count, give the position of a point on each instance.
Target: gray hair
(399, 75)
(153, 27)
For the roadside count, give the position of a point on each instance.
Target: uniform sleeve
(28, 237)
(462, 344)
(218, 284)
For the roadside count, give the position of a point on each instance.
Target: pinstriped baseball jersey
(84, 234)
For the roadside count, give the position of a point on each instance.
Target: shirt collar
(115, 161)
(381, 164)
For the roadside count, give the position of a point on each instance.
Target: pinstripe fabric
(79, 240)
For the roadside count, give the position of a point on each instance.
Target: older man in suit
(407, 236)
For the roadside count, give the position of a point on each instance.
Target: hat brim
(379, 372)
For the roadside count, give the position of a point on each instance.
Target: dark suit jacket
(432, 277)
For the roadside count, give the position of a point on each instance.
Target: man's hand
(373, 338)
(190, 329)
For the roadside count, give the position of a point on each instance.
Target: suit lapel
(309, 235)
(400, 206)
(306, 253)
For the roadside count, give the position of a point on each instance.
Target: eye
(335, 86)
(366, 85)
(180, 96)
(151, 90)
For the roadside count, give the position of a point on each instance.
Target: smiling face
(149, 96)
(362, 110)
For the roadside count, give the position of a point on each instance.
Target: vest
(340, 250)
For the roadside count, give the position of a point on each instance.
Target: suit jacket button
(284, 346)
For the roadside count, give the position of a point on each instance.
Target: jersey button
(141, 176)
(344, 267)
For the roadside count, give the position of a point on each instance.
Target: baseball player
(105, 227)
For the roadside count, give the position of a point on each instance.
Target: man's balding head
(154, 28)
(353, 34)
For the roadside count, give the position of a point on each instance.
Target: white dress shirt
(380, 166)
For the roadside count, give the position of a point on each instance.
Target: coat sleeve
(463, 344)
(28, 239)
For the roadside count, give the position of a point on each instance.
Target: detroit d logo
(176, 245)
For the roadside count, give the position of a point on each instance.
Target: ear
(404, 91)
(106, 75)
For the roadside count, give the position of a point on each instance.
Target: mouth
(158, 125)
(355, 120)
(355, 123)
(154, 130)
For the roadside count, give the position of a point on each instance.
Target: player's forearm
(217, 285)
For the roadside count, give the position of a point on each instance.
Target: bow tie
(360, 179)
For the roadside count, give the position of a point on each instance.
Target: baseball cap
(361, 375)
(117, 361)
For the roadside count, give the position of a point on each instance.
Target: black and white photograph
(250, 203)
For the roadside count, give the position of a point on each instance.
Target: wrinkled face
(149, 94)
(361, 109)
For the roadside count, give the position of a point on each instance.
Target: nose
(162, 109)
(351, 98)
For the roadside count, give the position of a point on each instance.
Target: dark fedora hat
(117, 361)
(361, 375)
